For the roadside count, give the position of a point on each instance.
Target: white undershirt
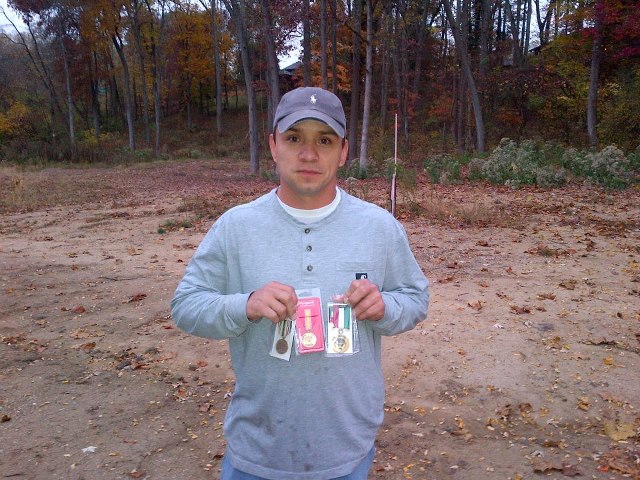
(311, 216)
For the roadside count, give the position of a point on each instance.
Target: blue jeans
(360, 473)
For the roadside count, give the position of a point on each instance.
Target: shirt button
(309, 268)
(307, 230)
(309, 248)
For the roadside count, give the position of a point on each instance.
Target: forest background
(512, 91)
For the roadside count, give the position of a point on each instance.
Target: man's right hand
(274, 301)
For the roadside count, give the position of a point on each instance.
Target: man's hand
(274, 301)
(365, 299)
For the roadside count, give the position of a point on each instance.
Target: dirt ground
(528, 365)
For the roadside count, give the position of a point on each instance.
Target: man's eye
(292, 138)
(325, 141)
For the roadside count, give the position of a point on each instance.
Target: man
(304, 406)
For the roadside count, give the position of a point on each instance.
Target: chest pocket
(350, 271)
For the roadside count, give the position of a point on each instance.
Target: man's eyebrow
(324, 131)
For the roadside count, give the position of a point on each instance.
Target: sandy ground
(527, 366)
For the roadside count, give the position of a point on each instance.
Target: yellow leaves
(620, 431)
(14, 120)
(584, 404)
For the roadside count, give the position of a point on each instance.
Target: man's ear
(272, 147)
(344, 153)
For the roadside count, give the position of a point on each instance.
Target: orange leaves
(138, 297)
(546, 251)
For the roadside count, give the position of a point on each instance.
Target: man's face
(308, 156)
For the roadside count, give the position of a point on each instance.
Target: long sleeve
(202, 304)
(405, 289)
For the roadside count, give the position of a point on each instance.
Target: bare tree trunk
(187, 100)
(156, 70)
(323, 44)
(397, 68)
(527, 29)
(460, 111)
(72, 127)
(465, 63)
(386, 67)
(237, 9)
(273, 80)
(596, 56)
(133, 16)
(117, 42)
(515, 36)
(367, 90)
(216, 62)
(334, 48)
(306, 43)
(355, 81)
(95, 101)
(422, 28)
(485, 17)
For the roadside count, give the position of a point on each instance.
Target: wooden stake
(395, 168)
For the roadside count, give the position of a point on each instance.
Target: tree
(355, 79)
(595, 70)
(133, 10)
(237, 9)
(367, 89)
(216, 61)
(463, 58)
(273, 80)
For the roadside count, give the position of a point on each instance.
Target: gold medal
(341, 343)
(309, 339)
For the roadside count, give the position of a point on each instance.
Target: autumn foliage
(93, 80)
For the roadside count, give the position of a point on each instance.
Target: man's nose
(308, 152)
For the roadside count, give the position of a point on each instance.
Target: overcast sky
(4, 24)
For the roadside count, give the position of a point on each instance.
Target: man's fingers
(365, 299)
(274, 301)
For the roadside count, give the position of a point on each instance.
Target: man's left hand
(365, 299)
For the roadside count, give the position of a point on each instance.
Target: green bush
(551, 177)
(474, 172)
(609, 168)
(510, 164)
(634, 160)
(444, 168)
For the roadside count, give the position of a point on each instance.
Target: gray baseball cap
(310, 103)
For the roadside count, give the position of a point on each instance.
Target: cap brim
(287, 122)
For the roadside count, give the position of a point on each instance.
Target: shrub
(510, 164)
(634, 160)
(551, 177)
(609, 168)
(444, 168)
(475, 169)
(575, 161)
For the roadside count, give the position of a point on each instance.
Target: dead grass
(25, 191)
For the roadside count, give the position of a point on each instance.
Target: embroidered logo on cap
(362, 276)
(313, 99)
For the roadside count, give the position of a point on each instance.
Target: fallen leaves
(477, 305)
(546, 466)
(546, 296)
(546, 251)
(620, 431)
(622, 460)
(137, 297)
(78, 309)
(520, 310)
(568, 284)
